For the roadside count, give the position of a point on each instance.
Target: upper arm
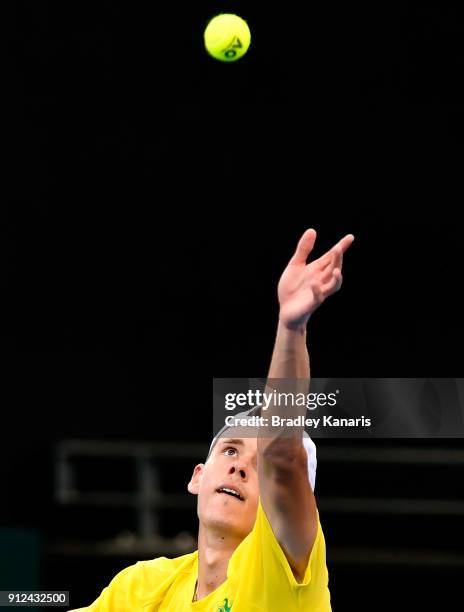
(288, 500)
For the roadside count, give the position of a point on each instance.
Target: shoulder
(163, 567)
(260, 560)
(262, 546)
(152, 572)
(133, 586)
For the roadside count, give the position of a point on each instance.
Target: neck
(214, 551)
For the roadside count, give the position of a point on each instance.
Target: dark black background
(153, 196)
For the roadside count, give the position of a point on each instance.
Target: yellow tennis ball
(227, 37)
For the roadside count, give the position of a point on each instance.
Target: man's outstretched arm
(285, 490)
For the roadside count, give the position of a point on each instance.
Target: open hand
(303, 287)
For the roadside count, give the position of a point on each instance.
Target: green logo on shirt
(225, 607)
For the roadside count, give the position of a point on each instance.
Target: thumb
(304, 248)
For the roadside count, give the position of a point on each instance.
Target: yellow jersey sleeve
(117, 595)
(134, 586)
(261, 574)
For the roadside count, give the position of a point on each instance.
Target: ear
(194, 484)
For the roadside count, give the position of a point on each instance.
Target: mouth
(230, 491)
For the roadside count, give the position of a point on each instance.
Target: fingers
(322, 291)
(345, 242)
(339, 278)
(304, 248)
(334, 258)
(331, 260)
(333, 284)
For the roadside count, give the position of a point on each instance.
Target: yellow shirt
(259, 579)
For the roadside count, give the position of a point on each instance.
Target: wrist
(290, 357)
(290, 333)
(297, 328)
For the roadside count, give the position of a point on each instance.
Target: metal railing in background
(146, 498)
(392, 455)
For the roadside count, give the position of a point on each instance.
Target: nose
(241, 467)
(240, 471)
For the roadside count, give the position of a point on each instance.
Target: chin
(227, 522)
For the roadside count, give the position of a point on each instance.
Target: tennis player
(260, 543)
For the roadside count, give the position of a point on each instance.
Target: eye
(230, 448)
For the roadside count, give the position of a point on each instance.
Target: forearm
(290, 358)
(285, 492)
(289, 373)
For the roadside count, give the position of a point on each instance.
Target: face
(227, 487)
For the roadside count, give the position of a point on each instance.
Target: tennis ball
(227, 37)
